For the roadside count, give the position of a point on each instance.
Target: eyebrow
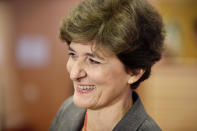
(71, 49)
(88, 54)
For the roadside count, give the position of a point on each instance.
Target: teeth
(87, 87)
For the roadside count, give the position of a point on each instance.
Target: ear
(135, 75)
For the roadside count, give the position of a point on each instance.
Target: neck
(105, 119)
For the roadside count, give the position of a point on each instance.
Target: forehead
(91, 48)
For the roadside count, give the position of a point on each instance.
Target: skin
(111, 98)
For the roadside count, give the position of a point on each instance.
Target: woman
(112, 47)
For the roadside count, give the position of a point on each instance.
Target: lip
(85, 85)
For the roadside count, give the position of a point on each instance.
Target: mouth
(85, 89)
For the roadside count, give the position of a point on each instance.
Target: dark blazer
(70, 118)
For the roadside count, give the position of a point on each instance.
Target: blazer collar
(134, 117)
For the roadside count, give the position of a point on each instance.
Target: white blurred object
(32, 52)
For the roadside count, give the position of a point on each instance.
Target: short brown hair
(132, 29)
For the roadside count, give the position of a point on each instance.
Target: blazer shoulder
(67, 104)
(149, 125)
(68, 117)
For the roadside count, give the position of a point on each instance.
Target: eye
(93, 61)
(72, 55)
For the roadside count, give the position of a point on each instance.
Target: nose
(77, 71)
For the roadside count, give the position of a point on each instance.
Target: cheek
(103, 76)
(96, 75)
(108, 76)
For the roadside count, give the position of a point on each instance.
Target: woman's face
(99, 80)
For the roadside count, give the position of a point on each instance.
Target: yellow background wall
(184, 13)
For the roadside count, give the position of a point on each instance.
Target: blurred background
(34, 81)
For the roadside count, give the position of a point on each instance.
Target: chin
(80, 102)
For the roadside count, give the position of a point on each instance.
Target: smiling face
(99, 80)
